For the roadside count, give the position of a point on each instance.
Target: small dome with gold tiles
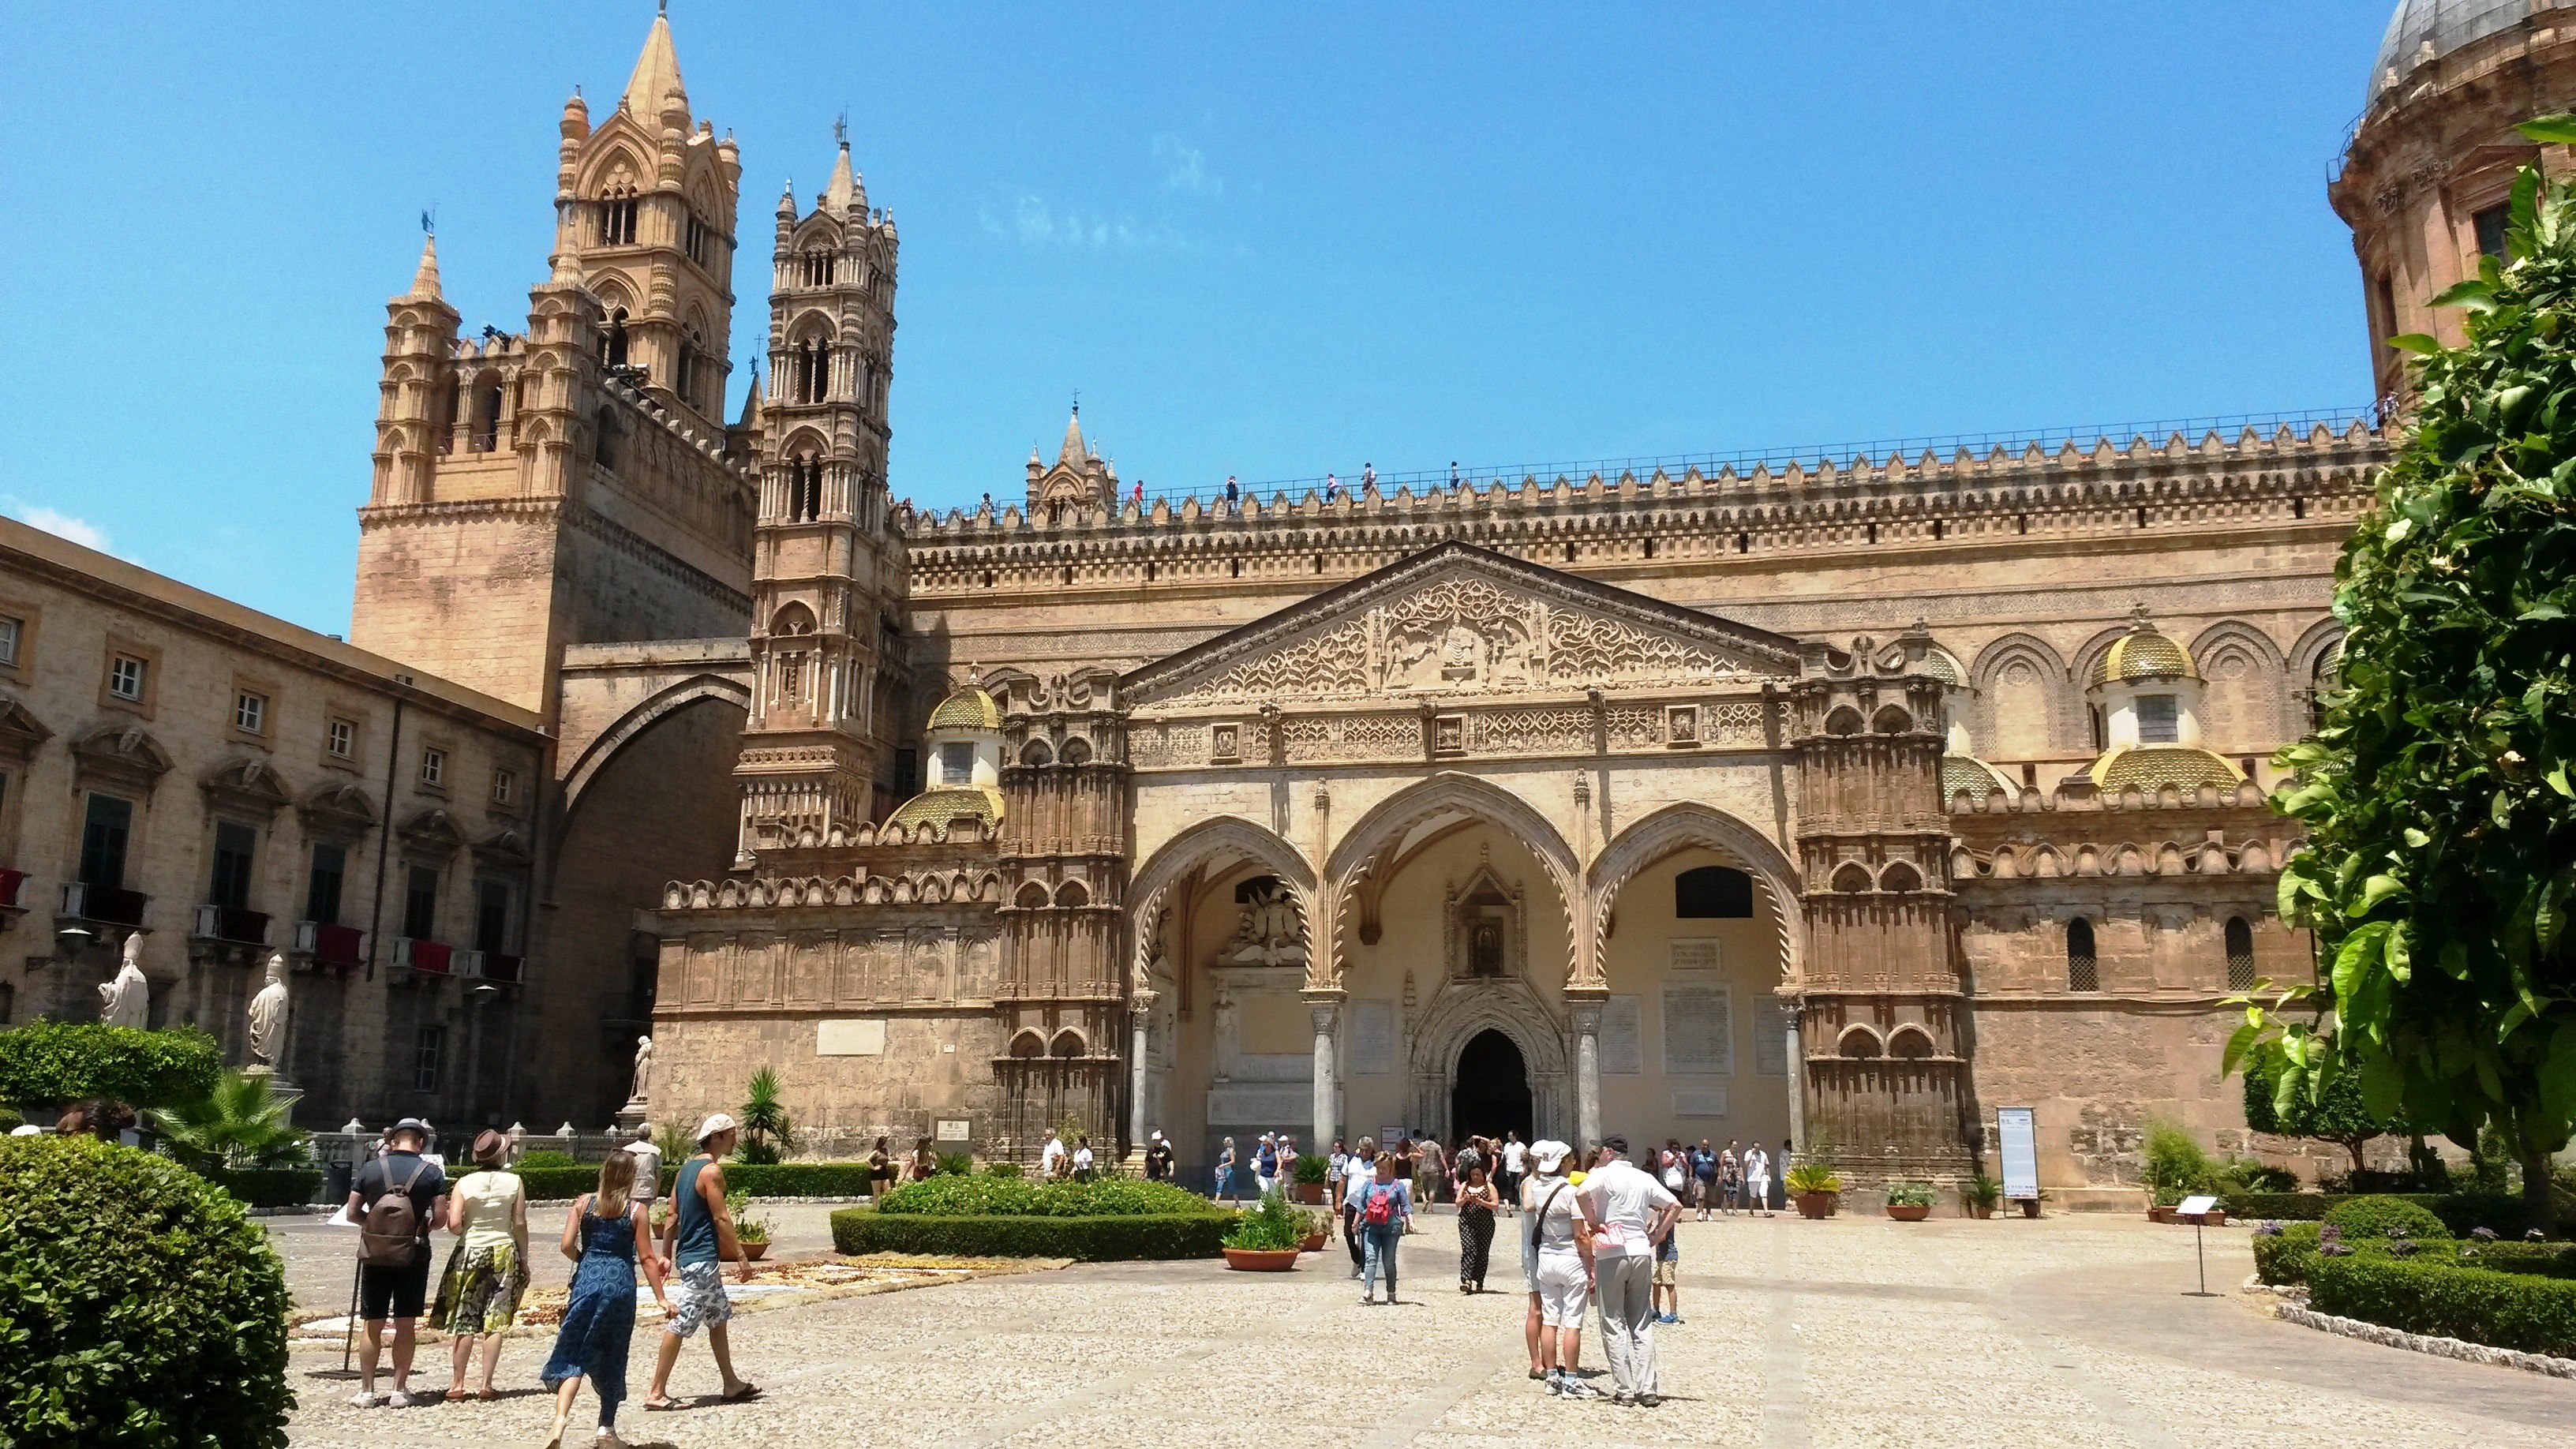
(971, 708)
(2149, 768)
(2142, 653)
(945, 805)
(1975, 776)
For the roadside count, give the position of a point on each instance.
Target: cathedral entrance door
(1493, 1092)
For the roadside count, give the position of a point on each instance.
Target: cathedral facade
(1839, 797)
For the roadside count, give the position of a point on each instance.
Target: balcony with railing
(103, 905)
(489, 966)
(427, 958)
(231, 926)
(324, 944)
(12, 882)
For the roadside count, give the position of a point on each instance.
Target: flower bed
(1117, 1238)
(984, 1196)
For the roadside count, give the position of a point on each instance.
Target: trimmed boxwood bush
(2374, 1219)
(137, 1304)
(777, 1179)
(270, 1187)
(49, 1062)
(946, 1196)
(2503, 1310)
(2459, 1211)
(2503, 1213)
(1091, 1239)
(2287, 1257)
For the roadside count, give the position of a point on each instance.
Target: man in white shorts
(1557, 1259)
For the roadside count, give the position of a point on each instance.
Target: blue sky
(1260, 240)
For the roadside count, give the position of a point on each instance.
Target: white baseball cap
(1547, 1153)
(720, 1122)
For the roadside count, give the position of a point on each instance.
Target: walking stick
(349, 1325)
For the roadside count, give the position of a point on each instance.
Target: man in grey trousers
(1630, 1213)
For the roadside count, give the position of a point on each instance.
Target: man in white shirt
(1081, 1160)
(1630, 1212)
(1051, 1155)
(1515, 1163)
(648, 1166)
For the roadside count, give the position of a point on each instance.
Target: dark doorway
(1493, 1094)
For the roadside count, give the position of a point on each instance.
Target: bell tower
(828, 568)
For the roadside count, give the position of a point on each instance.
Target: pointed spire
(424, 283)
(787, 198)
(845, 183)
(1072, 452)
(657, 72)
(751, 400)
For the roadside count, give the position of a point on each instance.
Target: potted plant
(1980, 1194)
(1313, 1242)
(752, 1232)
(1310, 1173)
(1909, 1202)
(1265, 1240)
(1817, 1187)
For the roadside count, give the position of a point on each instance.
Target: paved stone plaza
(2067, 1331)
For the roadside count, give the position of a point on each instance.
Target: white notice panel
(2017, 1139)
(1623, 1030)
(1695, 954)
(1700, 1101)
(1770, 1037)
(1372, 1038)
(862, 1036)
(1699, 1029)
(956, 1129)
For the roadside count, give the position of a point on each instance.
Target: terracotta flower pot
(2161, 1213)
(1981, 1210)
(1310, 1192)
(755, 1251)
(1909, 1212)
(2029, 1206)
(1314, 1242)
(1261, 1260)
(1817, 1204)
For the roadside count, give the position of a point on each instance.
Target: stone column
(1326, 1007)
(1587, 1073)
(1797, 1058)
(1140, 1010)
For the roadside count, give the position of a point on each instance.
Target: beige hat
(713, 1125)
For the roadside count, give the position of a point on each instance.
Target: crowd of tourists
(402, 1195)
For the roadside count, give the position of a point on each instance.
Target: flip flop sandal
(744, 1395)
(663, 1406)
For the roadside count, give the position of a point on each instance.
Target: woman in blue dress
(606, 1233)
(1225, 1171)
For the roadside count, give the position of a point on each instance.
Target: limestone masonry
(1836, 796)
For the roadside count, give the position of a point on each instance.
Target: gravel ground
(1851, 1332)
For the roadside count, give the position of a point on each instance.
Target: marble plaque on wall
(1623, 1030)
(1770, 1038)
(1699, 1101)
(850, 1037)
(1699, 1028)
(1372, 1038)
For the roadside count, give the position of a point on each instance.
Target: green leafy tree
(2339, 1116)
(768, 1134)
(2441, 817)
(239, 1124)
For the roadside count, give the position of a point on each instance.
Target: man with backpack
(395, 1200)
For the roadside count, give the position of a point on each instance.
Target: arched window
(811, 369)
(1068, 1043)
(1843, 721)
(1858, 1043)
(804, 488)
(1712, 893)
(1892, 720)
(614, 349)
(2240, 954)
(1852, 878)
(2083, 971)
(604, 440)
(617, 214)
(818, 269)
(487, 414)
(1901, 878)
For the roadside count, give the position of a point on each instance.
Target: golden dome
(2142, 653)
(2150, 768)
(970, 708)
(1979, 779)
(949, 804)
(1939, 664)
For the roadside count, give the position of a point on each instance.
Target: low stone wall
(2539, 1363)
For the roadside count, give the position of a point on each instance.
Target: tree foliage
(768, 1135)
(2440, 813)
(238, 1125)
(46, 1062)
(2338, 1115)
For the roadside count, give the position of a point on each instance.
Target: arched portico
(1376, 842)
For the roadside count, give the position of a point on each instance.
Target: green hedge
(2503, 1310)
(2287, 1258)
(138, 1306)
(2376, 1217)
(778, 1179)
(946, 1196)
(2459, 1211)
(270, 1187)
(48, 1062)
(1092, 1239)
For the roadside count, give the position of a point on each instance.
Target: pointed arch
(1688, 826)
(596, 755)
(1388, 821)
(2021, 707)
(1223, 839)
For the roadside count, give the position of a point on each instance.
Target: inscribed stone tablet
(1770, 1038)
(861, 1036)
(1699, 1101)
(1372, 1038)
(1622, 1036)
(1695, 954)
(1699, 1029)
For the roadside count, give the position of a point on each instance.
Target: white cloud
(1033, 223)
(62, 525)
(1185, 167)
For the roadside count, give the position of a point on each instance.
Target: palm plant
(240, 1124)
(767, 1133)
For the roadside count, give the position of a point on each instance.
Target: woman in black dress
(1476, 1203)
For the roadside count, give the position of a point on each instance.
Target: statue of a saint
(268, 1015)
(643, 1070)
(1270, 934)
(127, 1000)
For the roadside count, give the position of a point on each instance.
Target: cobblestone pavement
(1852, 1332)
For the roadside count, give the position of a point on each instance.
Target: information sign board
(2019, 1144)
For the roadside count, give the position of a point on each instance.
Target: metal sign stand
(2197, 1209)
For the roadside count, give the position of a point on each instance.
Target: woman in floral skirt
(487, 1272)
(607, 1234)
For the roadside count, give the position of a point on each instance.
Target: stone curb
(2539, 1363)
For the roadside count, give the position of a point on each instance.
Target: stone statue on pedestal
(643, 1070)
(268, 1015)
(127, 1000)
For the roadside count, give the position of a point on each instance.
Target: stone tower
(2425, 181)
(828, 572)
(573, 483)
